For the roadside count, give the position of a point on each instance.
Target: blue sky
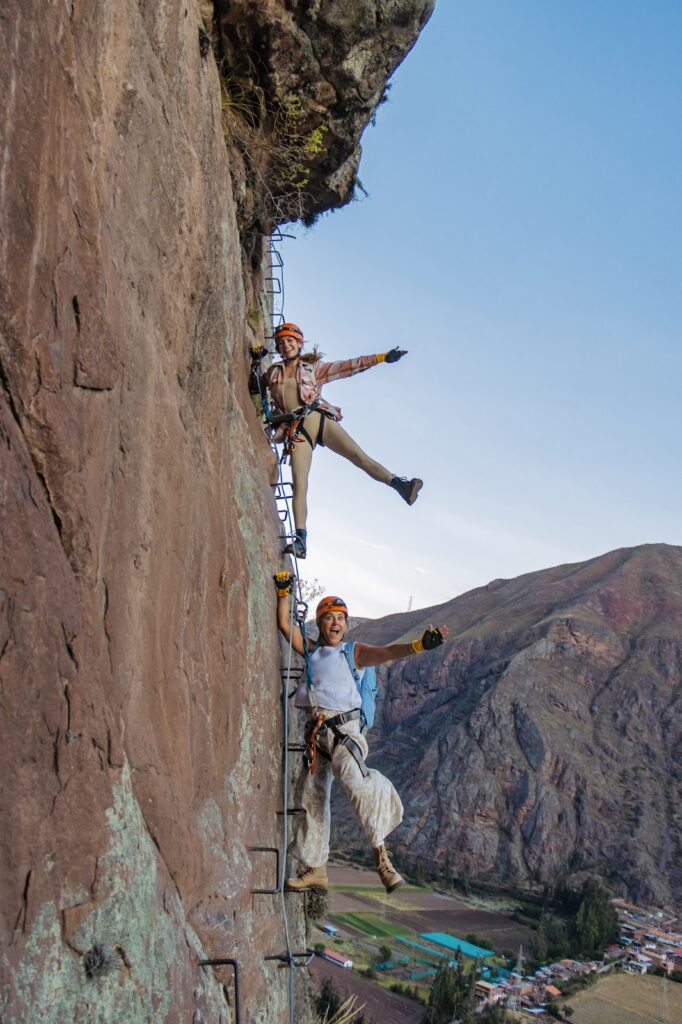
(523, 240)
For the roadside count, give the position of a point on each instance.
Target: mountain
(544, 739)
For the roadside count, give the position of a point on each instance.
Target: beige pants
(374, 799)
(337, 440)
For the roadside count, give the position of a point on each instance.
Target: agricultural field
(367, 919)
(359, 901)
(628, 999)
(385, 1007)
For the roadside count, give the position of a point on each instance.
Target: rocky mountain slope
(139, 662)
(545, 738)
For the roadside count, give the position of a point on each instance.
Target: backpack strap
(349, 654)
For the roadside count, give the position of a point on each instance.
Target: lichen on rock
(300, 82)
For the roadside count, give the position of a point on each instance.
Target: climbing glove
(283, 583)
(392, 356)
(429, 639)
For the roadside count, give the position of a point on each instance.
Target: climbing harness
(344, 739)
(292, 425)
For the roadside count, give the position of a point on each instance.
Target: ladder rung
(266, 849)
(290, 959)
(228, 962)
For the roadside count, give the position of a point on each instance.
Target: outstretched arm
(366, 654)
(291, 633)
(324, 372)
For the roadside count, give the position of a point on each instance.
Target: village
(354, 944)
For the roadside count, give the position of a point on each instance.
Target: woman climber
(305, 420)
(335, 744)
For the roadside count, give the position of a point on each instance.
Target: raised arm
(324, 372)
(283, 584)
(366, 654)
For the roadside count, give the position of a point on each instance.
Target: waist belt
(345, 716)
(344, 739)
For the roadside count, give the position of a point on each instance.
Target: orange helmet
(289, 331)
(331, 604)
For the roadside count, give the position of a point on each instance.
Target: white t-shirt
(334, 685)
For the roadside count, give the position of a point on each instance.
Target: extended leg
(336, 439)
(301, 460)
(374, 798)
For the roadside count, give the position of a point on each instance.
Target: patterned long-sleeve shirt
(310, 378)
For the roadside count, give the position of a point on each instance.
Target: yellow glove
(391, 356)
(284, 581)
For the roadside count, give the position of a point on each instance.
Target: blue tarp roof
(457, 945)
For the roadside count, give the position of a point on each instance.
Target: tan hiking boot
(387, 873)
(310, 878)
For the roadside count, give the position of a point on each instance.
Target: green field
(370, 924)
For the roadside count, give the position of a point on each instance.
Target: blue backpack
(366, 684)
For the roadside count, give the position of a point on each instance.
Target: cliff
(544, 739)
(139, 663)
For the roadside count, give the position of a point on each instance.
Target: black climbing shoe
(407, 489)
(297, 546)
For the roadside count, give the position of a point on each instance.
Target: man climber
(295, 387)
(335, 744)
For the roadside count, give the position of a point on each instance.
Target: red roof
(331, 955)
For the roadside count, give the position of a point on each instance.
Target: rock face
(139, 663)
(545, 738)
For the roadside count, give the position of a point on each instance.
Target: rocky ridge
(545, 739)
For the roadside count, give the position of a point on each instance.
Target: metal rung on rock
(293, 810)
(291, 959)
(267, 849)
(228, 962)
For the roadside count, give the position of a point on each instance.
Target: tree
(385, 953)
(328, 999)
(596, 921)
(452, 995)
(539, 948)
(310, 589)
(494, 1014)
